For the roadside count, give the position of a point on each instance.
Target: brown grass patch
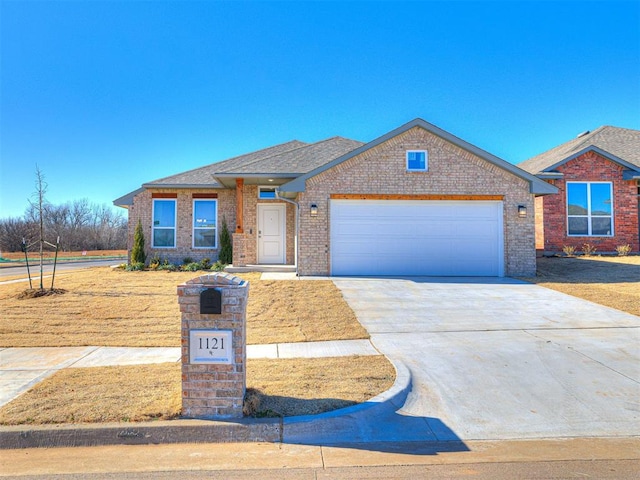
(37, 292)
(299, 311)
(147, 392)
(112, 307)
(610, 281)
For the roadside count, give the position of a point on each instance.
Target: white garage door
(416, 237)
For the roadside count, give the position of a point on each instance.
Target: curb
(247, 430)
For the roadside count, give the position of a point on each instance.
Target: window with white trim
(205, 221)
(267, 193)
(590, 209)
(164, 223)
(417, 161)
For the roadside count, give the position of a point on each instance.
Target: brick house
(415, 201)
(598, 179)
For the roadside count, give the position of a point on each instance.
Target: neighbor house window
(267, 193)
(417, 161)
(164, 223)
(205, 215)
(590, 209)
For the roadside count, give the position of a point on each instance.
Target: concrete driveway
(504, 359)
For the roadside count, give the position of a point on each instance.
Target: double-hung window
(590, 209)
(417, 161)
(164, 223)
(205, 215)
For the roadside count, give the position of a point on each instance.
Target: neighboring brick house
(416, 201)
(598, 180)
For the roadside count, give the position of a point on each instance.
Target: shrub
(137, 252)
(166, 265)
(205, 264)
(135, 267)
(569, 250)
(588, 249)
(191, 267)
(218, 266)
(154, 263)
(187, 260)
(623, 250)
(226, 247)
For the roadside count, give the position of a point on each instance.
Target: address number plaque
(210, 346)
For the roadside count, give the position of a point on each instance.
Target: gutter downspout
(297, 244)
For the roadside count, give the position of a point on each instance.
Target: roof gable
(536, 185)
(620, 145)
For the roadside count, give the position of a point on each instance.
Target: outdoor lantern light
(522, 211)
(314, 210)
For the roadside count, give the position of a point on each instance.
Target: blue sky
(104, 96)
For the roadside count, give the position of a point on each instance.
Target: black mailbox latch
(211, 301)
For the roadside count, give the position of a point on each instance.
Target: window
(205, 214)
(589, 209)
(267, 193)
(164, 224)
(417, 161)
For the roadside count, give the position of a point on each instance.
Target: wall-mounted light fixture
(522, 211)
(314, 210)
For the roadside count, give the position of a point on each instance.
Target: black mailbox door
(211, 301)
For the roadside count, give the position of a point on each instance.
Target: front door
(271, 233)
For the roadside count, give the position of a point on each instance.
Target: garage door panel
(416, 238)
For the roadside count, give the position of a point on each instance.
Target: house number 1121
(211, 343)
(210, 346)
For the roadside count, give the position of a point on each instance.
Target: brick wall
(452, 171)
(245, 244)
(142, 209)
(591, 167)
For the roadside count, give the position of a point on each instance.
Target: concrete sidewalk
(22, 368)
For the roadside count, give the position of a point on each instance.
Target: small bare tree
(39, 205)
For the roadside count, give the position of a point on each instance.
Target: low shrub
(191, 267)
(205, 264)
(623, 250)
(588, 249)
(218, 266)
(187, 260)
(569, 250)
(135, 267)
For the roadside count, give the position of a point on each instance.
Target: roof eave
(599, 151)
(126, 201)
(631, 175)
(182, 185)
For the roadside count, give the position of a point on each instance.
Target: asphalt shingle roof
(293, 157)
(624, 143)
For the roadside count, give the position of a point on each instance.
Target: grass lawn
(610, 281)
(284, 387)
(112, 307)
(108, 307)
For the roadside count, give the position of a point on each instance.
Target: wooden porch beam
(239, 204)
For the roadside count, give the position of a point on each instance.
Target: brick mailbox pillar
(213, 309)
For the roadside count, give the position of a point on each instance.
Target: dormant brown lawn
(112, 307)
(610, 281)
(284, 387)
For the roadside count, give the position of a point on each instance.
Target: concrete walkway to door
(497, 358)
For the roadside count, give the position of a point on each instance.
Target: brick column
(213, 371)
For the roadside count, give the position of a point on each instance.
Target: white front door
(271, 233)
